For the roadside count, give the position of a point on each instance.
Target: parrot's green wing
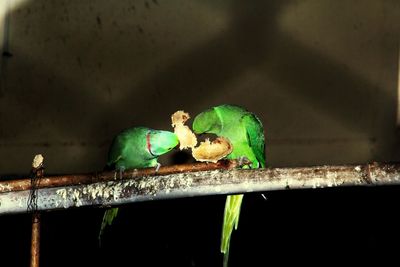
(246, 133)
(256, 142)
(255, 139)
(255, 136)
(136, 147)
(119, 149)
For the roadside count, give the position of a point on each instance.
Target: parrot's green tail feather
(231, 220)
(226, 257)
(108, 218)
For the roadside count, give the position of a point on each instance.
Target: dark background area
(321, 75)
(312, 227)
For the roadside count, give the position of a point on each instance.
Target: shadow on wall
(82, 71)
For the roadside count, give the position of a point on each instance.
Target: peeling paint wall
(320, 74)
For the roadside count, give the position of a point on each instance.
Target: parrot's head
(207, 122)
(160, 142)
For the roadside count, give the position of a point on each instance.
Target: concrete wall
(322, 75)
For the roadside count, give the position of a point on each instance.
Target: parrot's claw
(243, 161)
(121, 171)
(158, 166)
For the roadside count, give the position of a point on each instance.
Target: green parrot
(245, 131)
(137, 147)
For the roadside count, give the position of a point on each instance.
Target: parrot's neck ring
(149, 144)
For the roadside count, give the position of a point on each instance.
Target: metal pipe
(200, 183)
(76, 179)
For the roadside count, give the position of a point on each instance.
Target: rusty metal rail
(179, 181)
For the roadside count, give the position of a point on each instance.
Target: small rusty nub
(37, 173)
(35, 240)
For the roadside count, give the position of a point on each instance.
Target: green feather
(130, 149)
(108, 217)
(246, 133)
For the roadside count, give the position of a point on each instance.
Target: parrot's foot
(121, 171)
(158, 166)
(243, 161)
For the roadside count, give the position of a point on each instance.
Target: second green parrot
(137, 147)
(245, 131)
